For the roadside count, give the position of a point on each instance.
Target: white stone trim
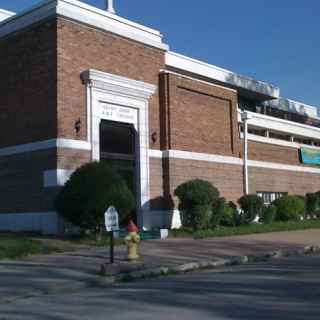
(84, 13)
(280, 166)
(45, 144)
(155, 153)
(56, 178)
(278, 142)
(117, 84)
(44, 222)
(196, 80)
(281, 125)
(181, 62)
(185, 155)
(122, 93)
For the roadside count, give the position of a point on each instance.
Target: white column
(110, 7)
(245, 117)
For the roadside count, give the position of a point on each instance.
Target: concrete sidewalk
(75, 270)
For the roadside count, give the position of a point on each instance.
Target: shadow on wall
(160, 212)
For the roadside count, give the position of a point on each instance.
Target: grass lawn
(17, 246)
(247, 229)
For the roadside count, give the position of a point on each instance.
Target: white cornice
(89, 15)
(197, 80)
(114, 83)
(188, 64)
(281, 125)
(4, 14)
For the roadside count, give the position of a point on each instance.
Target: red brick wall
(227, 178)
(70, 159)
(81, 48)
(200, 117)
(21, 182)
(295, 183)
(273, 153)
(28, 76)
(157, 200)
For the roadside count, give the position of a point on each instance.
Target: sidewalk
(75, 270)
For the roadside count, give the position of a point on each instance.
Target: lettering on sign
(111, 218)
(118, 113)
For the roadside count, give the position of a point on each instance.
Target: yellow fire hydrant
(132, 241)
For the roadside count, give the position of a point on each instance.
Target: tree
(89, 192)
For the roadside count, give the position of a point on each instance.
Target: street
(281, 289)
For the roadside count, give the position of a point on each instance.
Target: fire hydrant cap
(132, 227)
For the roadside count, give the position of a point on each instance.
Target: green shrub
(196, 200)
(89, 192)
(313, 204)
(269, 214)
(289, 208)
(223, 214)
(251, 206)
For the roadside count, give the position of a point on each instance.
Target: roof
(89, 15)
(257, 89)
(4, 14)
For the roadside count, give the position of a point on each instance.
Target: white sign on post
(111, 219)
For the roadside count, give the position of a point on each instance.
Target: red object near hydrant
(132, 241)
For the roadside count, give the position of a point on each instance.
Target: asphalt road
(282, 289)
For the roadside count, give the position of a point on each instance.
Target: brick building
(79, 84)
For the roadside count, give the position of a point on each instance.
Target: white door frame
(111, 97)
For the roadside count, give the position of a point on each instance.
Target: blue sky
(271, 40)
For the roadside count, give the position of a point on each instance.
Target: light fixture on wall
(154, 137)
(77, 126)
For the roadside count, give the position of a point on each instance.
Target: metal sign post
(111, 247)
(111, 218)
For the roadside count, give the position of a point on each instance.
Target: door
(118, 149)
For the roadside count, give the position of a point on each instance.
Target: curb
(202, 265)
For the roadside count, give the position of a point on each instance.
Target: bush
(223, 214)
(313, 204)
(251, 206)
(289, 208)
(269, 214)
(89, 192)
(196, 200)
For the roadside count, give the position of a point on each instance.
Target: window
(257, 132)
(269, 197)
(279, 136)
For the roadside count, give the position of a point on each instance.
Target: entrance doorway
(118, 150)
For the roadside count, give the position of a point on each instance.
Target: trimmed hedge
(289, 208)
(313, 204)
(223, 214)
(196, 200)
(89, 192)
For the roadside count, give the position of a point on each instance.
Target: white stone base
(162, 219)
(47, 223)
